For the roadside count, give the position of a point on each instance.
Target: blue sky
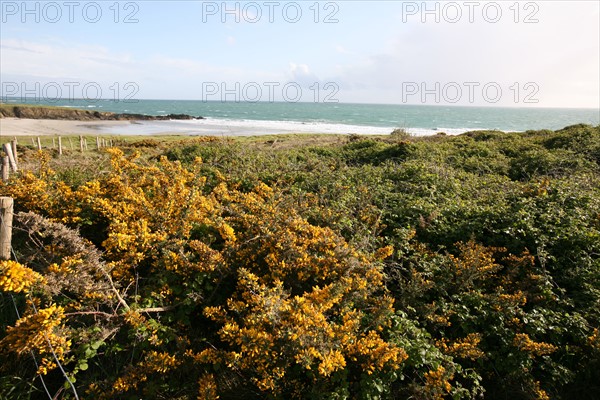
(504, 53)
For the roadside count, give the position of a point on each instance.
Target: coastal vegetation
(35, 111)
(318, 267)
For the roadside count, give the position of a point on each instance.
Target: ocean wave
(246, 127)
(270, 127)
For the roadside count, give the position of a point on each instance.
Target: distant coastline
(26, 111)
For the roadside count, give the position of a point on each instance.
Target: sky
(480, 53)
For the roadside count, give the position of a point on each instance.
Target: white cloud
(35, 64)
(63, 61)
(302, 75)
(560, 54)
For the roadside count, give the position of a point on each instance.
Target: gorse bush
(281, 303)
(445, 267)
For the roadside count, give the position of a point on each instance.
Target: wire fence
(5, 225)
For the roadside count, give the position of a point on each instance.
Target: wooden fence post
(6, 218)
(8, 150)
(5, 169)
(14, 149)
(39, 143)
(81, 143)
(60, 146)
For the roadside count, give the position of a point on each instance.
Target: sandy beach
(44, 127)
(205, 127)
(10, 127)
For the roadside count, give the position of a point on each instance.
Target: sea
(341, 118)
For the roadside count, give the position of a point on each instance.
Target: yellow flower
(207, 387)
(384, 252)
(524, 343)
(539, 393)
(227, 232)
(594, 339)
(331, 362)
(463, 348)
(437, 383)
(17, 278)
(41, 332)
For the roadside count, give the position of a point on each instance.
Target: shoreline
(10, 127)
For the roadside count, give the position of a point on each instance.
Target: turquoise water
(418, 119)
